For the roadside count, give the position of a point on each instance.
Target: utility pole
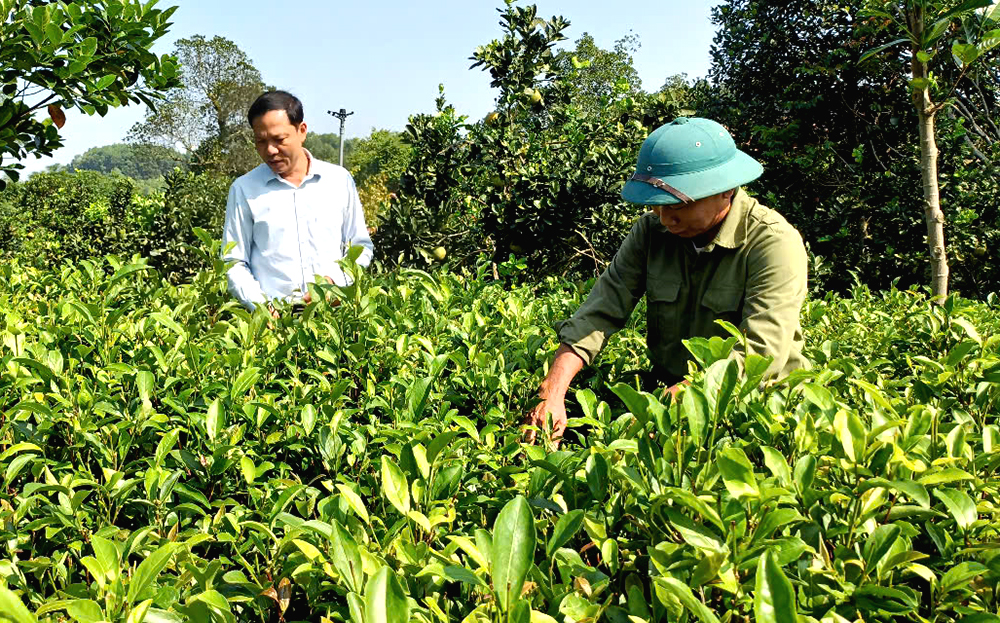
(342, 114)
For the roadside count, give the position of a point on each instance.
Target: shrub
(164, 449)
(190, 200)
(61, 216)
(67, 216)
(538, 178)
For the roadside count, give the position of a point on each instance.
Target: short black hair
(277, 100)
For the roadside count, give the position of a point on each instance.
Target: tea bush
(168, 457)
(57, 217)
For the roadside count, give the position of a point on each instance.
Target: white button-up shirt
(286, 235)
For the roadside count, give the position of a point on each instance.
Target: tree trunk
(926, 111)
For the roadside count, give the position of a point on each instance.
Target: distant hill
(140, 162)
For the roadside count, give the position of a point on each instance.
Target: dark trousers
(650, 380)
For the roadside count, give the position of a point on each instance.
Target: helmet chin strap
(658, 183)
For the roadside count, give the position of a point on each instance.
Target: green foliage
(836, 139)
(165, 452)
(326, 147)
(57, 217)
(427, 211)
(86, 54)
(207, 115)
(923, 24)
(191, 201)
(595, 75)
(139, 162)
(540, 176)
(381, 152)
(377, 162)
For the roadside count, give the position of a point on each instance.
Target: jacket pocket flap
(722, 299)
(662, 290)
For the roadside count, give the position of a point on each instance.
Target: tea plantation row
(167, 457)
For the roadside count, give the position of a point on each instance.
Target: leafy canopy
(89, 54)
(206, 117)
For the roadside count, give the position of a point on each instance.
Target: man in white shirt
(293, 217)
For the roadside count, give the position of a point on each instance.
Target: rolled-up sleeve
(237, 244)
(612, 299)
(775, 291)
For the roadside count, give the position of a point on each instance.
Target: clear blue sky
(384, 59)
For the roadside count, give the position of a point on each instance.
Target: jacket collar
(733, 232)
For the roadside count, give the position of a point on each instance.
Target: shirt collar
(311, 171)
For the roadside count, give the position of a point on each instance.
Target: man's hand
(553, 394)
(673, 390)
(539, 418)
(308, 297)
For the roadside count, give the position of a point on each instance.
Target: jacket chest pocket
(722, 303)
(663, 313)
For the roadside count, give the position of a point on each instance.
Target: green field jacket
(753, 274)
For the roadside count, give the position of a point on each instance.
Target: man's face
(278, 141)
(693, 219)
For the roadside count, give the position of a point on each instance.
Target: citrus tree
(539, 177)
(90, 55)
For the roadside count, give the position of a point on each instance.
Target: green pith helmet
(686, 160)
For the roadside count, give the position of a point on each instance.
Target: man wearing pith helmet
(706, 250)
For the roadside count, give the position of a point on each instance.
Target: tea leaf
(637, 403)
(85, 611)
(696, 535)
(960, 505)
(467, 546)
(356, 605)
(416, 398)
(694, 408)
(702, 510)
(960, 575)
(461, 574)
(737, 473)
(249, 469)
(12, 607)
(385, 601)
(879, 544)
(354, 501)
(395, 486)
(915, 491)
(310, 550)
(139, 612)
(945, 476)
(215, 420)
(776, 462)
(852, 435)
(567, 526)
(774, 597)
(307, 417)
(148, 571)
(346, 557)
(165, 446)
(683, 594)
(244, 382)
(513, 550)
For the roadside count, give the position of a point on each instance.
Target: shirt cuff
(582, 338)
